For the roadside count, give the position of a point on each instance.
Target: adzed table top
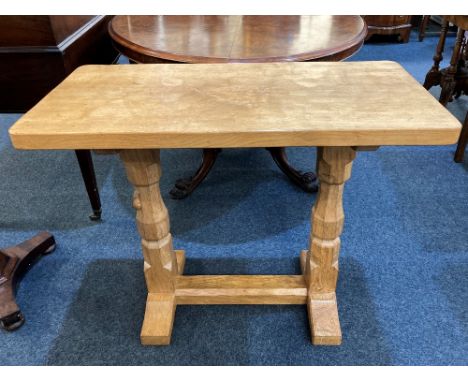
(236, 105)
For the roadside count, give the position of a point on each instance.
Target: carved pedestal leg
(433, 76)
(184, 187)
(161, 263)
(448, 76)
(14, 263)
(305, 180)
(320, 265)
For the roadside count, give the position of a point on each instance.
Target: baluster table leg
(161, 264)
(320, 262)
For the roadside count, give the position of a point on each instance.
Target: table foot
(433, 78)
(96, 215)
(323, 314)
(13, 321)
(14, 263)
(306, 181)
(160, 312)
(184, 187)
(159, 319)
(323, 319)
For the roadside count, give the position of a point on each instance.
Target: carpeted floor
(403, 286)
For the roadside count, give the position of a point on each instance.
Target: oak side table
(126, 108)
(237, 39)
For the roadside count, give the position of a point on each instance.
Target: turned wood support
(423, 27)
(433, 76)
(321, 262)
(160, 266)
(440, 45)
(448, 78)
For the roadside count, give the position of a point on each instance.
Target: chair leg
(433, 76)
(462, 142)
(89, 177)
(423, 27)
(448, 82)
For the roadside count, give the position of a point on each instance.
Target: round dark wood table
(237, 39)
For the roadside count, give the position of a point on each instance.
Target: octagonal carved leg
(161, 265)
(320, 262)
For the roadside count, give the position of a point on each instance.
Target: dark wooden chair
(454, 79)
(37, 53)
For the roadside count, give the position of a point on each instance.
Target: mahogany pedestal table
(140, 109)
(237, 39)
(14, 263)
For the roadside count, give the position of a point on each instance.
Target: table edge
(410, 137)
(135, 52)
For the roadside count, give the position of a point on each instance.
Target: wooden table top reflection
(202, 39)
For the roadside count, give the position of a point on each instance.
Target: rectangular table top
(236, 105)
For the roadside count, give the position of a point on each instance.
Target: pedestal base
(14, 263)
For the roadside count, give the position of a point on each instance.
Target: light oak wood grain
(242, 289)
(159, 319)
(320, 265)
(163, 267)
(143, 171)
(236, 105)
(160, 260)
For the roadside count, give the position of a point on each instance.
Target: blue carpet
(403, 285)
